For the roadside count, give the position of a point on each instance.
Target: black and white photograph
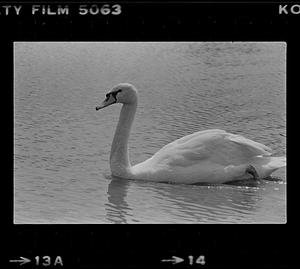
(149, 132)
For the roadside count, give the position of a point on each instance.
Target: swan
(210, 156)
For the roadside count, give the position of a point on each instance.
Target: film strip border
(153, 21)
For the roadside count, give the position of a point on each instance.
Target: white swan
(210, 156)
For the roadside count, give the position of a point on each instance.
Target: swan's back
(208, 156)
(214, 145)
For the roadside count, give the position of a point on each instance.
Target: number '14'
(200, 260)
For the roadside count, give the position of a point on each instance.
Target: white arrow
(174, 260)
(22, 261)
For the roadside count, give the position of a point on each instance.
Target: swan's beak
(106, 103)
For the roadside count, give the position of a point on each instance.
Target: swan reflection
(117, 208)
(187, 203)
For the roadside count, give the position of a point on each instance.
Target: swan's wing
(248, 146)
(189, 150)
(215, 146)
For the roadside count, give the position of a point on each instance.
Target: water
(62, 145)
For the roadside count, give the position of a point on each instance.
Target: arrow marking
(22, 261)
(174, 260)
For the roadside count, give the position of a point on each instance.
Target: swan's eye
(114, 94)
(107, 96)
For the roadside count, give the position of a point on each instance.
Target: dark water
(62, 145)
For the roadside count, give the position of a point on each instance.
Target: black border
(143, 246)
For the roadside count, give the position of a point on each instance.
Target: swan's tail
(267, 165)
(277, 162)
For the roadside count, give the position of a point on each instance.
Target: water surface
(62, 145)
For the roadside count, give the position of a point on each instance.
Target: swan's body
(210, 156)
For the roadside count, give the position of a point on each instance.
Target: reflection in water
(190, 203)
(117, 209)
(203, 203)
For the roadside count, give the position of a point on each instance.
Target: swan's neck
(119, 156)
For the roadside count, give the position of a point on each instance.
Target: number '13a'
(46, 261)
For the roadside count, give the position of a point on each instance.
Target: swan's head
(124, 93)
